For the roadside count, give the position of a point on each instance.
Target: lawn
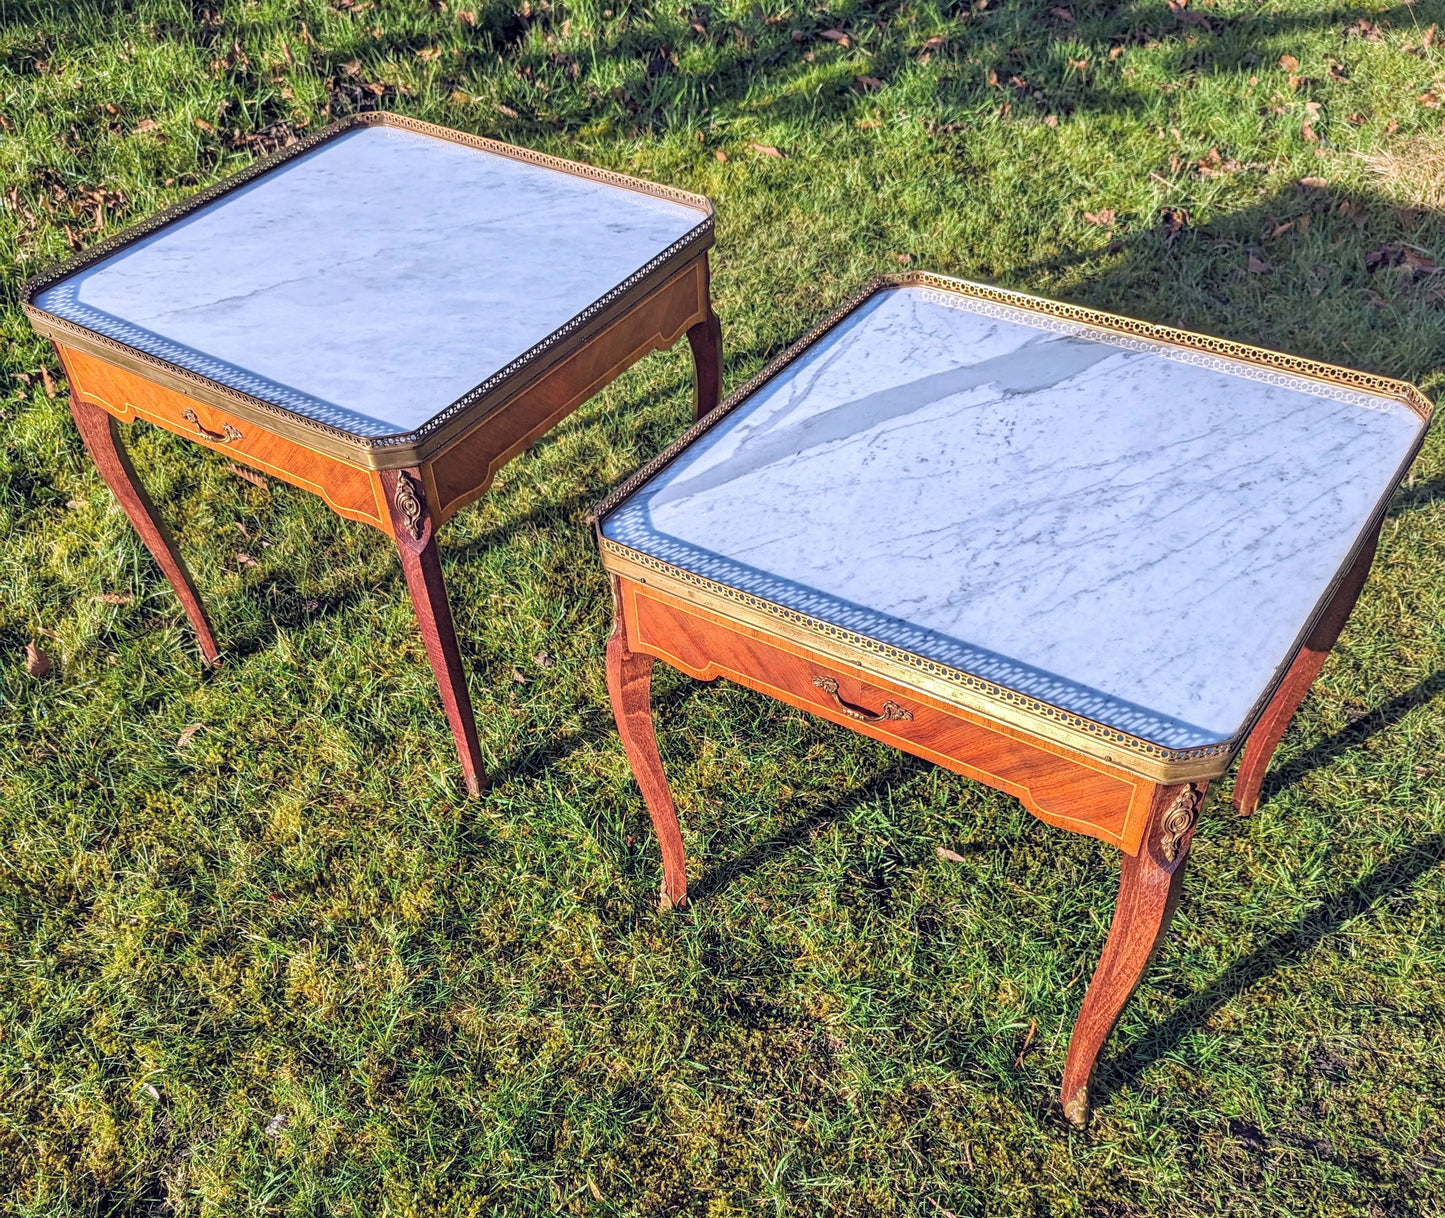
(276, 964)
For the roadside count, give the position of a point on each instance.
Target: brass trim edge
(371, 452)
(1112, 745)
(951, 686)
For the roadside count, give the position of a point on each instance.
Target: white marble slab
(376, 279)
(1135, 535)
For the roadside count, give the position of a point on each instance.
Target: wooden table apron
(407, 503)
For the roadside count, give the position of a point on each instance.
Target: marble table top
(371, 282)
(1121, 528)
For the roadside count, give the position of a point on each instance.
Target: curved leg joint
(629, 684)
(101, 434)
(1149, 886)
(705, 338)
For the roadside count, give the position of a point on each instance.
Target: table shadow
(1317, 756)
(1398, 872)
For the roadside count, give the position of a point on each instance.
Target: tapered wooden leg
(629, 684)
(101, 434)
(706, 341)
(421, 564)
(1270, 729)
(1149, 884)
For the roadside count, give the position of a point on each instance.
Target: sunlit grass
(287, 969)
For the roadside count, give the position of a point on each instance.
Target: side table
(1077, 557)
(383, 314)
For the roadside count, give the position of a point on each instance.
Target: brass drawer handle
(227, 434)
(891, 710)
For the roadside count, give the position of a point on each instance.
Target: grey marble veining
(1121, 529)
(373, 281)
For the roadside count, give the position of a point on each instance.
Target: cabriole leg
(1270, 729)
(629, 684)
(101, 434)
(1149, 885)
(421, 564)
(705, 339)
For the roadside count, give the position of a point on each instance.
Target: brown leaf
(46, 381)
(146, 124)
(1295, 82)
(1279, 228)
(1115, 52)
(247, 475)
(1309, 133)
(1288, 62)
(427, 54)
(1317, 183)
(37, 663)
(518, 677)
(1429, 39)
(767, 150)
(992, 79)
(797, 36)
(1258, 266)
(188, 735)
(721, 155)
(950, 856)
(113, 598)
(903, 259)
(246, 560)
(1103, 218)
(1312, 109)
(507, 110)
(867, 84)
(1051, 120)
(937, 43)
(837, 36)
(205, 126)
(542, 660)
(1429, 98)
(351, 68)
(1062, 14)
(1419, 262)
(467, 17)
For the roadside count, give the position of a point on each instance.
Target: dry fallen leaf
(518, 677)
(951, 856)
(1315, 182)
(903, 259)
(1309, 133)
(146, 124)
(37, 663)
(542, 660)
(276, 1124)
(1102, 218)
(188, 735)
(837, 36)
(205, 126)
(1258, 266)
(766, 150)
(1115, 52)
(352, 68)
(46, 381)
(1063, 14)
(113, 598)
(1288, 63)
(867, 84)
(507, 110)
(427, 54)
(1051, 120)
(246, 560)
(247, 475)
(721, 155)
(467, 17)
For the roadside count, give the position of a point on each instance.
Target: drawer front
(348, 489)
(1063, 788)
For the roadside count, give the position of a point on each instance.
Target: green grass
(475, 1008)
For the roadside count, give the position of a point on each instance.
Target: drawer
(348, 489)
(1063, 788)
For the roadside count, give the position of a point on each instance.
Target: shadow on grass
(1352, 736)
(721, 876)
(1331, 915)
